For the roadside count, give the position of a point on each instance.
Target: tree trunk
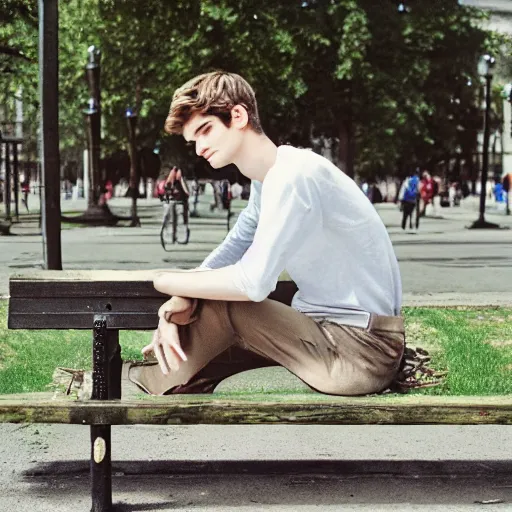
(346, 134)
(346, 148)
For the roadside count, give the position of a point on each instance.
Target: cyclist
(172, 191)
(175, 186)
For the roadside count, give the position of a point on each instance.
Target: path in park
(376, 468)
(442, 262)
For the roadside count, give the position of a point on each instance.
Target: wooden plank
(68, 304)
(83, 321)
(88, 275)
(306, 409)
(92, 275)
(78, 313)
(103, 284)
(82, 289)
(71, 305)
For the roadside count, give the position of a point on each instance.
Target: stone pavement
(373, 468)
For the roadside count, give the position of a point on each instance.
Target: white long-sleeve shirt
(312, 220)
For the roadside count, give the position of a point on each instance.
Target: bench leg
(106, 386)
(101, 469)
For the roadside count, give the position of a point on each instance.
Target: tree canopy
(385, 89)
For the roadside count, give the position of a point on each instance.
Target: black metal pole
(16, 180)
(50, 157)
(93, 154)
(131, 119)
(101, 462)
(485, 156)
(7, 184)
(481, 223)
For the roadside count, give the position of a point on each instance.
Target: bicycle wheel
(182, 229)
(166, 238)
(174, 222)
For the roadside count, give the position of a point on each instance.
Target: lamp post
(485, 68)
(92, 74)
(507, 180)
(131, 121)
(97, 213)
(91, 117)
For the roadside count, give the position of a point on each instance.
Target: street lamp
(507, 180)
(507, 95)
(131, 121)
(485, 69)
(97, 213)
(92, 74)
(92, 117)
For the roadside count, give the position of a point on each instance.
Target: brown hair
(214, 93)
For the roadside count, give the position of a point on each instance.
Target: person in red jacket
(427, 192)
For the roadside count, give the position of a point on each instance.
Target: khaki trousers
(222, 338)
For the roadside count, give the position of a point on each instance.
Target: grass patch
(29, 358)
(473, 345)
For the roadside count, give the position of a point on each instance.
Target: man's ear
(239, 117)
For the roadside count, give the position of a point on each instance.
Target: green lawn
(473, 345)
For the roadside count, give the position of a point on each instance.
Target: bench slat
(78, 313)
(24, 288)
(314, 409)
(69, 300)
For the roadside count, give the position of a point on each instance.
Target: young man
(342, 334)
(408, 197)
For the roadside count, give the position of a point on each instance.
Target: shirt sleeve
(287, 217)
(240, 236)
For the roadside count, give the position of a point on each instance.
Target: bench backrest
(71, 299)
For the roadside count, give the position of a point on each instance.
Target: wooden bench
(109, 301)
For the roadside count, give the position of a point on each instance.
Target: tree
(386, 90)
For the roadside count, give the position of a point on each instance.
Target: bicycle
(172, 230)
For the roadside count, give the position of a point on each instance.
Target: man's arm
(218, 284)
(241, 235)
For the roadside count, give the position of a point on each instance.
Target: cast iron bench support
(106, 379)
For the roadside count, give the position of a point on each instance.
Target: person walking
(427, 190)
(408, 197)
(25, 190)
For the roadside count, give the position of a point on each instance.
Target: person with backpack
(408, 197)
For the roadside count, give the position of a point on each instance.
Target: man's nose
(200, 148)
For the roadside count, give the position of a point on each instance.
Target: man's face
(214, 141)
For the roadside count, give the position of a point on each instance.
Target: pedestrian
(507, 182)
(427, 191)
(109, 190)
(499, 192)
(342, 334)
(25, 190)
(236, 190)
(176, 187)
(408, 197)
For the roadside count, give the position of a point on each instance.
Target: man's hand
(174, 305)
(166, 347)
(165, 344)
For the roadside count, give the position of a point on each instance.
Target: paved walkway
(374, 468)
(441, 263)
